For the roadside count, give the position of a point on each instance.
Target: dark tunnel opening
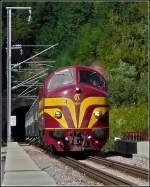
(18, 131)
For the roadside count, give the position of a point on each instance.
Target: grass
(125, 119)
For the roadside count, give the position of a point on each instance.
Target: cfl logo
(77, 97)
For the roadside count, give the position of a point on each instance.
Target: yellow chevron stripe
(71, 106)
(41, 103)
(40, 113)
(93, 119)
(63, 102)
(89, 102)
(66, 128)
(62, 120)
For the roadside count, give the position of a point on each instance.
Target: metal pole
(9, 10)
(18, 8)
(18, 45)
(8, 74)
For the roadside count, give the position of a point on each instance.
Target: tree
(124, 89)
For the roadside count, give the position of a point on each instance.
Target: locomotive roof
(68, 67)
(74, 67)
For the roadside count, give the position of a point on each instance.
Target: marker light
(66, 138)
(89, 137)
(58, 114)
(97, 114)
(77, 89)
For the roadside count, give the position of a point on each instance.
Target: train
(71, 112)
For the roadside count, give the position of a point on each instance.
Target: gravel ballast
(61, 173)
(135, 161)
(65, 175)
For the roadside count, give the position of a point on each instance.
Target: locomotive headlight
(58, 142)
(58, 114)
(97, 114)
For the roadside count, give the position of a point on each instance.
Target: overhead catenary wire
(29, 91)
(27, 84)
(22, 70)
(37, 62)
(34, 84)
(28, 96)
(30, 81)
(18, 64)
(27, 80)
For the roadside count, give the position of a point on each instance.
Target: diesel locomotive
(71, 111)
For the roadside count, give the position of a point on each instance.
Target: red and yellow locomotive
(71, 112)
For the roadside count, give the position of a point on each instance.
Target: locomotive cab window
(61, 78)
(91, 78)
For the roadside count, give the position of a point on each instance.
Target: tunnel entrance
(18, 131)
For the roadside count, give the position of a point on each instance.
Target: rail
(98, 175)
(132, 170)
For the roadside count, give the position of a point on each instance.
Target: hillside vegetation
(114, 34)
(126, 119)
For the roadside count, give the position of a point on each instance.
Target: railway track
(132, 170)
(98, 175)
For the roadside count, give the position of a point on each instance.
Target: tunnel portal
(18, 131)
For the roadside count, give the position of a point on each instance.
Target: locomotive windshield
(61, 78)
(91, 78)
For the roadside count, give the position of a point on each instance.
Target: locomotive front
(74, 109)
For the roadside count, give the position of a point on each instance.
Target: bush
(125, 119)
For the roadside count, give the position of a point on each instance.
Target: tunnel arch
(20, 107)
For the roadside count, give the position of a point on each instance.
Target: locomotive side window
(91, 78)
(61, 78)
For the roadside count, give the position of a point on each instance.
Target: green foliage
(62, 25)
(124, 88)
(125, 119)
(112, 35)
(112, 31)
(124, 36)
(82, 48)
